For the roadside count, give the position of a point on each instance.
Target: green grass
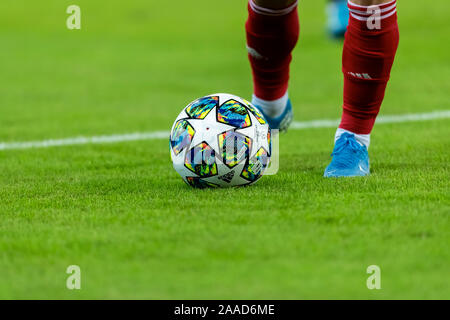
(122, 214)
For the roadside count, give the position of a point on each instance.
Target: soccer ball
(220, 140)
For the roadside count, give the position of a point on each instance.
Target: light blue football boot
(283, 121)
(338, 15)
(350, 158)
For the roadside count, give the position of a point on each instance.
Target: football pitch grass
(120, 211)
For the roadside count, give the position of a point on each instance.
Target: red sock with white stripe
(271, 37)
(370, 45)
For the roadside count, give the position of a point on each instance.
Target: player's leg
(370, 45)
(272, 33)
(337, 16)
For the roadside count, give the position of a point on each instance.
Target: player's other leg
(337, 16)
(370, 45)
(272, 33)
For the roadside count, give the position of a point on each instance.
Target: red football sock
(271, 37)
(370, 45)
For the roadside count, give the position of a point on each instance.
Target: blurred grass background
(135, 64)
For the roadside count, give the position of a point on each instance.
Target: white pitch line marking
(85, 140)
(381, 119)
(165, 134)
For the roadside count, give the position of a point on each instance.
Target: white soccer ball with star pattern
(220, 140)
